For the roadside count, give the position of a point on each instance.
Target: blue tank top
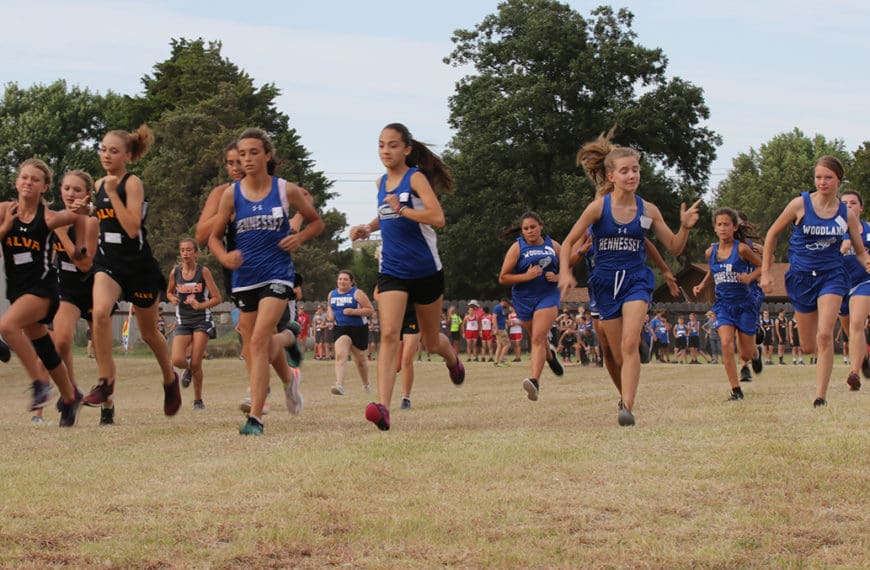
(680, 331)
(340, 301)
(543, 255)
(725, 271)
(815, 242)
(620, 246)
(258, 228)
(857, 273)
(409, 249)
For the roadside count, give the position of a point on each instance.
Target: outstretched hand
(689, 217)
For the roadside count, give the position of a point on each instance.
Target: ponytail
(137, 142)
(597, 159)
(429, 163)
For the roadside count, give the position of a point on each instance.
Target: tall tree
(545, 80)
(197, 101)
(58, 124)
(858, 176)
(761, 182)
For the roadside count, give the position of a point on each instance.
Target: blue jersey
(409, 249)
(620, 246)
(815, 242)
(725, 272)
(543, 255)
(338, 302)
(258, 228)
(680, 331)
(857, 272)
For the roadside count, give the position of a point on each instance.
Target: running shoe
(865, 366)
(625, 417)
(530, 385)
(378, 415)
(186, 378)
(756, 361)
(99, 393)
(198, 405)
(5, 353)
(69, 412)
(854, 382)
(245, 407)
(736, 394)
(406, 403)
(292, 395)
(41, 394)
(37, 420)
(745, 374)
(107, 416)
(457, 372)
(172, 397)
(820, 403)
(338, 390)
(553, 362)
(251, 427)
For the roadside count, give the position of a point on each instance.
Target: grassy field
(471, 477)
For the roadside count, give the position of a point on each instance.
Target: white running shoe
(292, 395)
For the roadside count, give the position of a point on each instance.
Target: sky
(347, 68)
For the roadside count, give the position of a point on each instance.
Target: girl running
(75, 278)
(350, 308)
(531, 268)
(855, 314)
(124, 267)
(194, 293)
(733, 265)
(31, 284)
(622, 282)
(410, 268)
(258, 207)
(817, 279)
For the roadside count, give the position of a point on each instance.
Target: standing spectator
(501, 336)
(304, 325)
(319, 324)
(515, 334)
(486, 336)
(455, 328)
(694, 338)
(781, 327)
(471, 330)
(374, 335)
(714, 343)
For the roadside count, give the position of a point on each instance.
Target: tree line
(544, 79)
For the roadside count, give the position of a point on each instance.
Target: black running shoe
(107, 416)
(756, 361)
(68, 412)
(530, 385)
(745, 374)
(820, 403)
(41, 395)
(865, 366)
(186, 378)
(736, 394)
(5, 353)
(553, 362)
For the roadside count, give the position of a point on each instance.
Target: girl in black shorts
(193, 291)
(124, 267)
(31, 285)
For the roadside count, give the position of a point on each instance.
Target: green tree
(58, 124)
(545, 80)
(858, 176)
(197, 101)
(761, 182)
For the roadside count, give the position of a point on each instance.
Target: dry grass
(472, 477)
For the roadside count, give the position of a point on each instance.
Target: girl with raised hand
(31, 284)
(125, 268)
(817, 279)
(733, 266)
(410, 268)
(258, 207)
(193, 291)
(531, 268)
(622, 282)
